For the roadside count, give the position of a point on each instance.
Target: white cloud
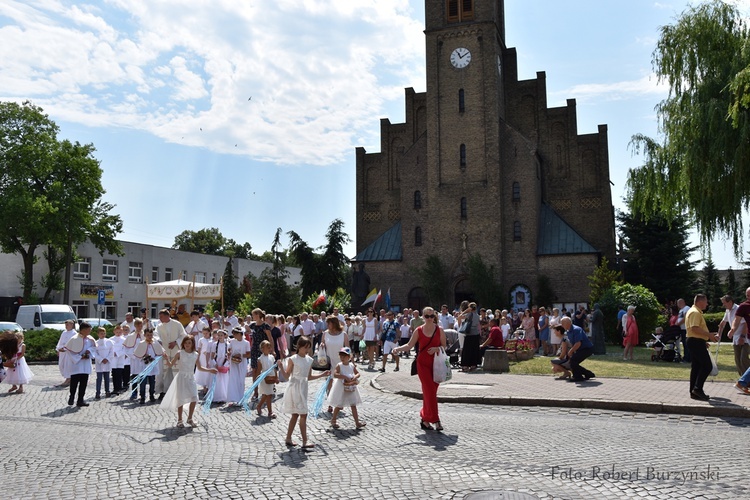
(313, 68)
(615, 91)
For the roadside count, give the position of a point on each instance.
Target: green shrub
(647, 313)
(713, 320)
(40, 344)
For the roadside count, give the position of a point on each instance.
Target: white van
(41, 316)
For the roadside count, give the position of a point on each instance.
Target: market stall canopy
(181, 289)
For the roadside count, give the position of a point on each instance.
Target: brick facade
(484, 153)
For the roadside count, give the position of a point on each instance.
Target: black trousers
(151, 381)
(78, 384)
(700, 363)
(118, 379)
(578, 357)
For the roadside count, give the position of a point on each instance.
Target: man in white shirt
(739, 336)
(683, 309)
(447, 321)
(308, 325)
(338, 315)
(196, 325)
(171, 333)
(231, 321)
(129, 321)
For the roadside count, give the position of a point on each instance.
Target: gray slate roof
(387, 246)
(556, 237)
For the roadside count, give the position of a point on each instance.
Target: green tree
(327, 271)
(487, 289)
(210, 241)
(710, 284)
(657, 254)
(545, 295)
(50, 191)
(435, 280)
(699, 165)
(272, 293)
(53, 280)
(602, 280)
(732, 287)
(232, 292)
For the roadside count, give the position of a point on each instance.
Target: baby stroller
(664, 345)
(452, 353)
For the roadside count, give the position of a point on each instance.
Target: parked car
(9, 325)
(95, 322)
(41, 316)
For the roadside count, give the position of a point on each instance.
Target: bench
(496, 360)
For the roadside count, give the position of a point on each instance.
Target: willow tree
(700, 165)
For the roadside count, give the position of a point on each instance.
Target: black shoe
(576, 379)
(109, 394)
(382, 370)
(161, 396)
(700, 396)
(395, 369)
(70, 401)
(425, 426)
(142, 401)
(81, 403)
(153, 399)
(97, 397)
(589, 376)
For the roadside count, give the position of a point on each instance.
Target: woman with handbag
(471, 355)
(431, 338)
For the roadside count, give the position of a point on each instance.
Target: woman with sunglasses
(431, 338)
(371, 334)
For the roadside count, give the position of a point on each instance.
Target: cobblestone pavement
(113, 449)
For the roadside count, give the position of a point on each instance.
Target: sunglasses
(429, 315)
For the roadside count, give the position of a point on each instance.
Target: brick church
(482, 167)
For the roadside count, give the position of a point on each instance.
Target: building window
(213, 279)
(516, 191)
(417, 200)
(153, 310)
(134, 308)
(110, 310)
(517, 231)
(82, 269)
(109, 270)
(183, 275)
(200, 277)
(80, 308)
(154, 274)
(135, 272)
(462, 154)
(460, 10)
(168, 274)
(463, 208)
(417, 236)
(461, 103)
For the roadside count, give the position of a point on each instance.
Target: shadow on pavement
(438, 440)
(61, 412)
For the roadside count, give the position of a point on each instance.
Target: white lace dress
(341, 396)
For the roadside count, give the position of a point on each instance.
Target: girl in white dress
(345, 390)
(266, 388)
(183, 389)
(19, 372)
(334, 339)
(239, 351)
(298, 371)
(203, 377)
(221, 363)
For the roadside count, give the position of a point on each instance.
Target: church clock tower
(465, 105)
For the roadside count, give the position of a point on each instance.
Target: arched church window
(461, 101)
(417, 200)
(517, 231)
(463, 208)
(516, 191)
(417, 236)
(462, 156)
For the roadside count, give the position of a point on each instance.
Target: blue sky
(245, 115)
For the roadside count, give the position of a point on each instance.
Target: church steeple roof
(556, 237)
(386, 247)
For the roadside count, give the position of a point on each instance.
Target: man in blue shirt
(389, 339)
(580, 349)
(620, 313)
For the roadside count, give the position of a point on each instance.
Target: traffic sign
(100, 297)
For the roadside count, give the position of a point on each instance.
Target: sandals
(334, 425)
(438, 426)
(290, 444)
(191, 423)
(425, 426)
(272, 416)
(360, 425)
(308, 447)
(180, 425)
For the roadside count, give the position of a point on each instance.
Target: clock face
(460, 58)
(499, 66)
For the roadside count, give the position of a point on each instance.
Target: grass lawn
(612, 365)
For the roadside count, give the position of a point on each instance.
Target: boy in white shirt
(105, 350)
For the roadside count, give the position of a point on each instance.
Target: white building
(123, 277)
